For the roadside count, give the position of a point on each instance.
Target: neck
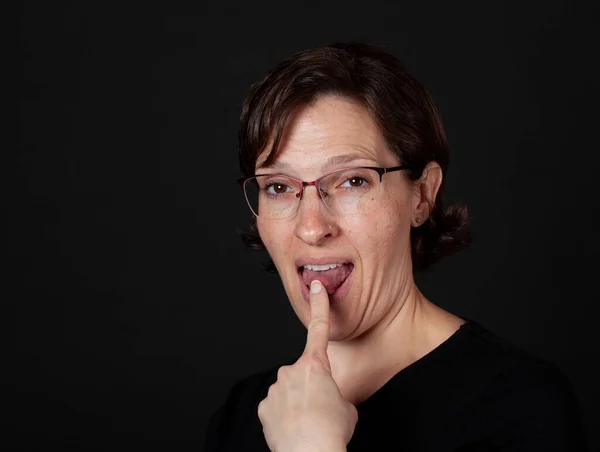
(408, 331)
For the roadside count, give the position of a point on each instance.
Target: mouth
(334, 276)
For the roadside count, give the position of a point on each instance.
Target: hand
(304, 409)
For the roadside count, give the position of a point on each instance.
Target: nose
(314, 222)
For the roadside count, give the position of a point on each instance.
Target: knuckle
(353, 412)
(317, 323)
(312, 362)
(261, 410)
(282, 372)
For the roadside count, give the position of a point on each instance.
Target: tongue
(331, 279)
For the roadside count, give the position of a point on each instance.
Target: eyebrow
(335, 160)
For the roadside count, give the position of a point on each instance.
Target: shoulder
(504, 368)
(509, 362)
(477, 366)
(480, 349)
(527, 397)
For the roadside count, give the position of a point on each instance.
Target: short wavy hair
(400, 106)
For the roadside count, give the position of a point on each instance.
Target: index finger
(317, 337)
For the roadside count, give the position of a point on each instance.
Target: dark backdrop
(136, 306)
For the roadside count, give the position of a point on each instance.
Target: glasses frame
(381, 171)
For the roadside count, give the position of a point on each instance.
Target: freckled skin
(378, 243)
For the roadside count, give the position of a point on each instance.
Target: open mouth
(334, 278)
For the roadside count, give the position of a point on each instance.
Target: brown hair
(399, 105)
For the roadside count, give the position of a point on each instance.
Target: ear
(425, 192)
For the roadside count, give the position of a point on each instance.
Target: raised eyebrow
(346, 158)
(334, 160)
(276, 175)
(325, 174)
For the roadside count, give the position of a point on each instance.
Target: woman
(344, 157)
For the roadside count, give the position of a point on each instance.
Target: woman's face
(374, 247)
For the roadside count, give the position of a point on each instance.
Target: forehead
(331, 131)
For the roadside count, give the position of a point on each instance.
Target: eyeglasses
(346, 191)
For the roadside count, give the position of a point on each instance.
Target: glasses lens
(272, 197)
(350, 192)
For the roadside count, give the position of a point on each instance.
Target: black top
(474, 392)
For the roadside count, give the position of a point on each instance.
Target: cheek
(385, 232)
(274, 235)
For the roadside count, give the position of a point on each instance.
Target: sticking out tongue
(331, 279)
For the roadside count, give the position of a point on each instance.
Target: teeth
(320, 268)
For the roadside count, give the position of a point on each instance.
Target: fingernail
(315, 286)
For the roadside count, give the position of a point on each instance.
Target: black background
(136, 306)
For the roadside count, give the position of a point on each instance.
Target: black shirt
(474, 392)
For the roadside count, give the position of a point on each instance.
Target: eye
(276, 188)
(354, 182)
